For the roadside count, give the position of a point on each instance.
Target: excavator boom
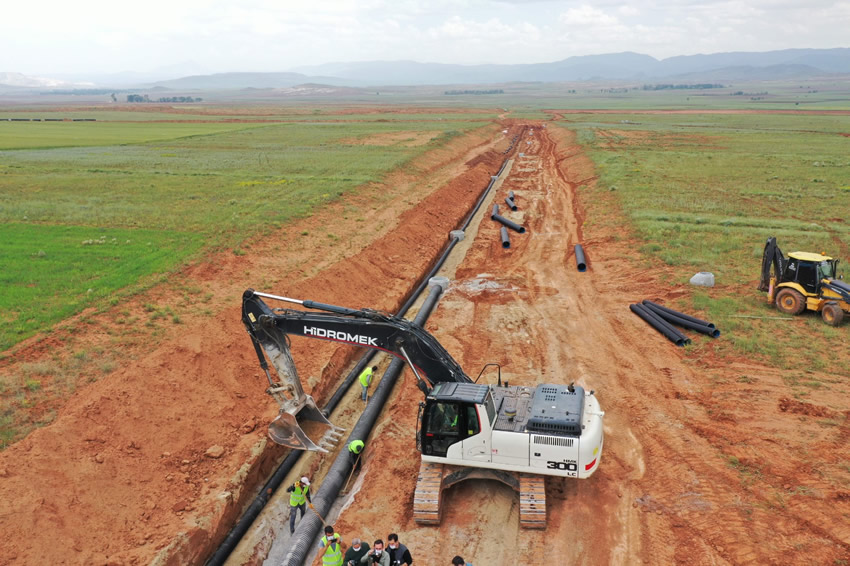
(270, 330)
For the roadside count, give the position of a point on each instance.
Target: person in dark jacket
(355, 552)
(398, 552)
(377, 555)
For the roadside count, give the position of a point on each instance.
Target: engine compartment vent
(557, 410)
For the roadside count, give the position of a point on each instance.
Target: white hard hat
(305, 481)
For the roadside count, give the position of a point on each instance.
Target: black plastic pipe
(510, 202)
(679, 314)
(658, 324)
(684, 323)
(506, 239)
(581, 262)
(512, 225)
(241, 527)
(301, 543)
(495, 211)
(665, 324)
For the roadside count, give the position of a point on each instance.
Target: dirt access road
(705, 462)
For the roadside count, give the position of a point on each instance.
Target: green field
(161, 193)
(704, 192)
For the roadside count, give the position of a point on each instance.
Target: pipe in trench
(244, 523)
(255, 508)
(512, 225)
(679, 314)
(658, 324)
(581, 262)
(506, 239)
(683, 322)
(310, 525)
(510, 202)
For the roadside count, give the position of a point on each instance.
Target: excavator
(514, 434)
(804, 281)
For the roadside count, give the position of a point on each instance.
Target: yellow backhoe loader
(804, 280)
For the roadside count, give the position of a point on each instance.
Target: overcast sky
(48, 37)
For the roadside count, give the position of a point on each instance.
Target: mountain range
(733, 66)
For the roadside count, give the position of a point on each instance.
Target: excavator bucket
(286, 429)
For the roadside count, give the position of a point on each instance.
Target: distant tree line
(146, 98)
(682, 87)
(85, 91)
(490, 91)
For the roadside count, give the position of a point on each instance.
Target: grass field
(162, 192)
(705, 191)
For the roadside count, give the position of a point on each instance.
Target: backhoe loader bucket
(286, 429)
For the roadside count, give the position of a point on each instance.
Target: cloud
(99, 35)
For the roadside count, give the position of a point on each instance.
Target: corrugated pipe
(310, 525)
(581, 262)
(658, 324)
(683, 322)
(253, 511)
(255, 508)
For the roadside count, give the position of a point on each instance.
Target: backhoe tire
(790, 301)
(832, 314)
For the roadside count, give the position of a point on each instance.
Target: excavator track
(433, 478)
(427, 497)
(532, 501)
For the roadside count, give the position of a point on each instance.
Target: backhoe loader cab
(809, 269)
(802, 281)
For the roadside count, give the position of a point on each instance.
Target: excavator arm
(270, 330)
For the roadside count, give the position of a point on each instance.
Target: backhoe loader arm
(772, 258)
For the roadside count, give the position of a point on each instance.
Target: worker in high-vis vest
(299, 496)
(355, 448)
(366, 379)
(331, 547)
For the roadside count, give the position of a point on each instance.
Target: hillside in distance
(718, 67)
(788, 63)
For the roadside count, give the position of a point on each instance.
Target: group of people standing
(330, 547)
(392, 554)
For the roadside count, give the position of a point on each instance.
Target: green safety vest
(298, 495)
(356, 446)
(366, 377)
(333, 557)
